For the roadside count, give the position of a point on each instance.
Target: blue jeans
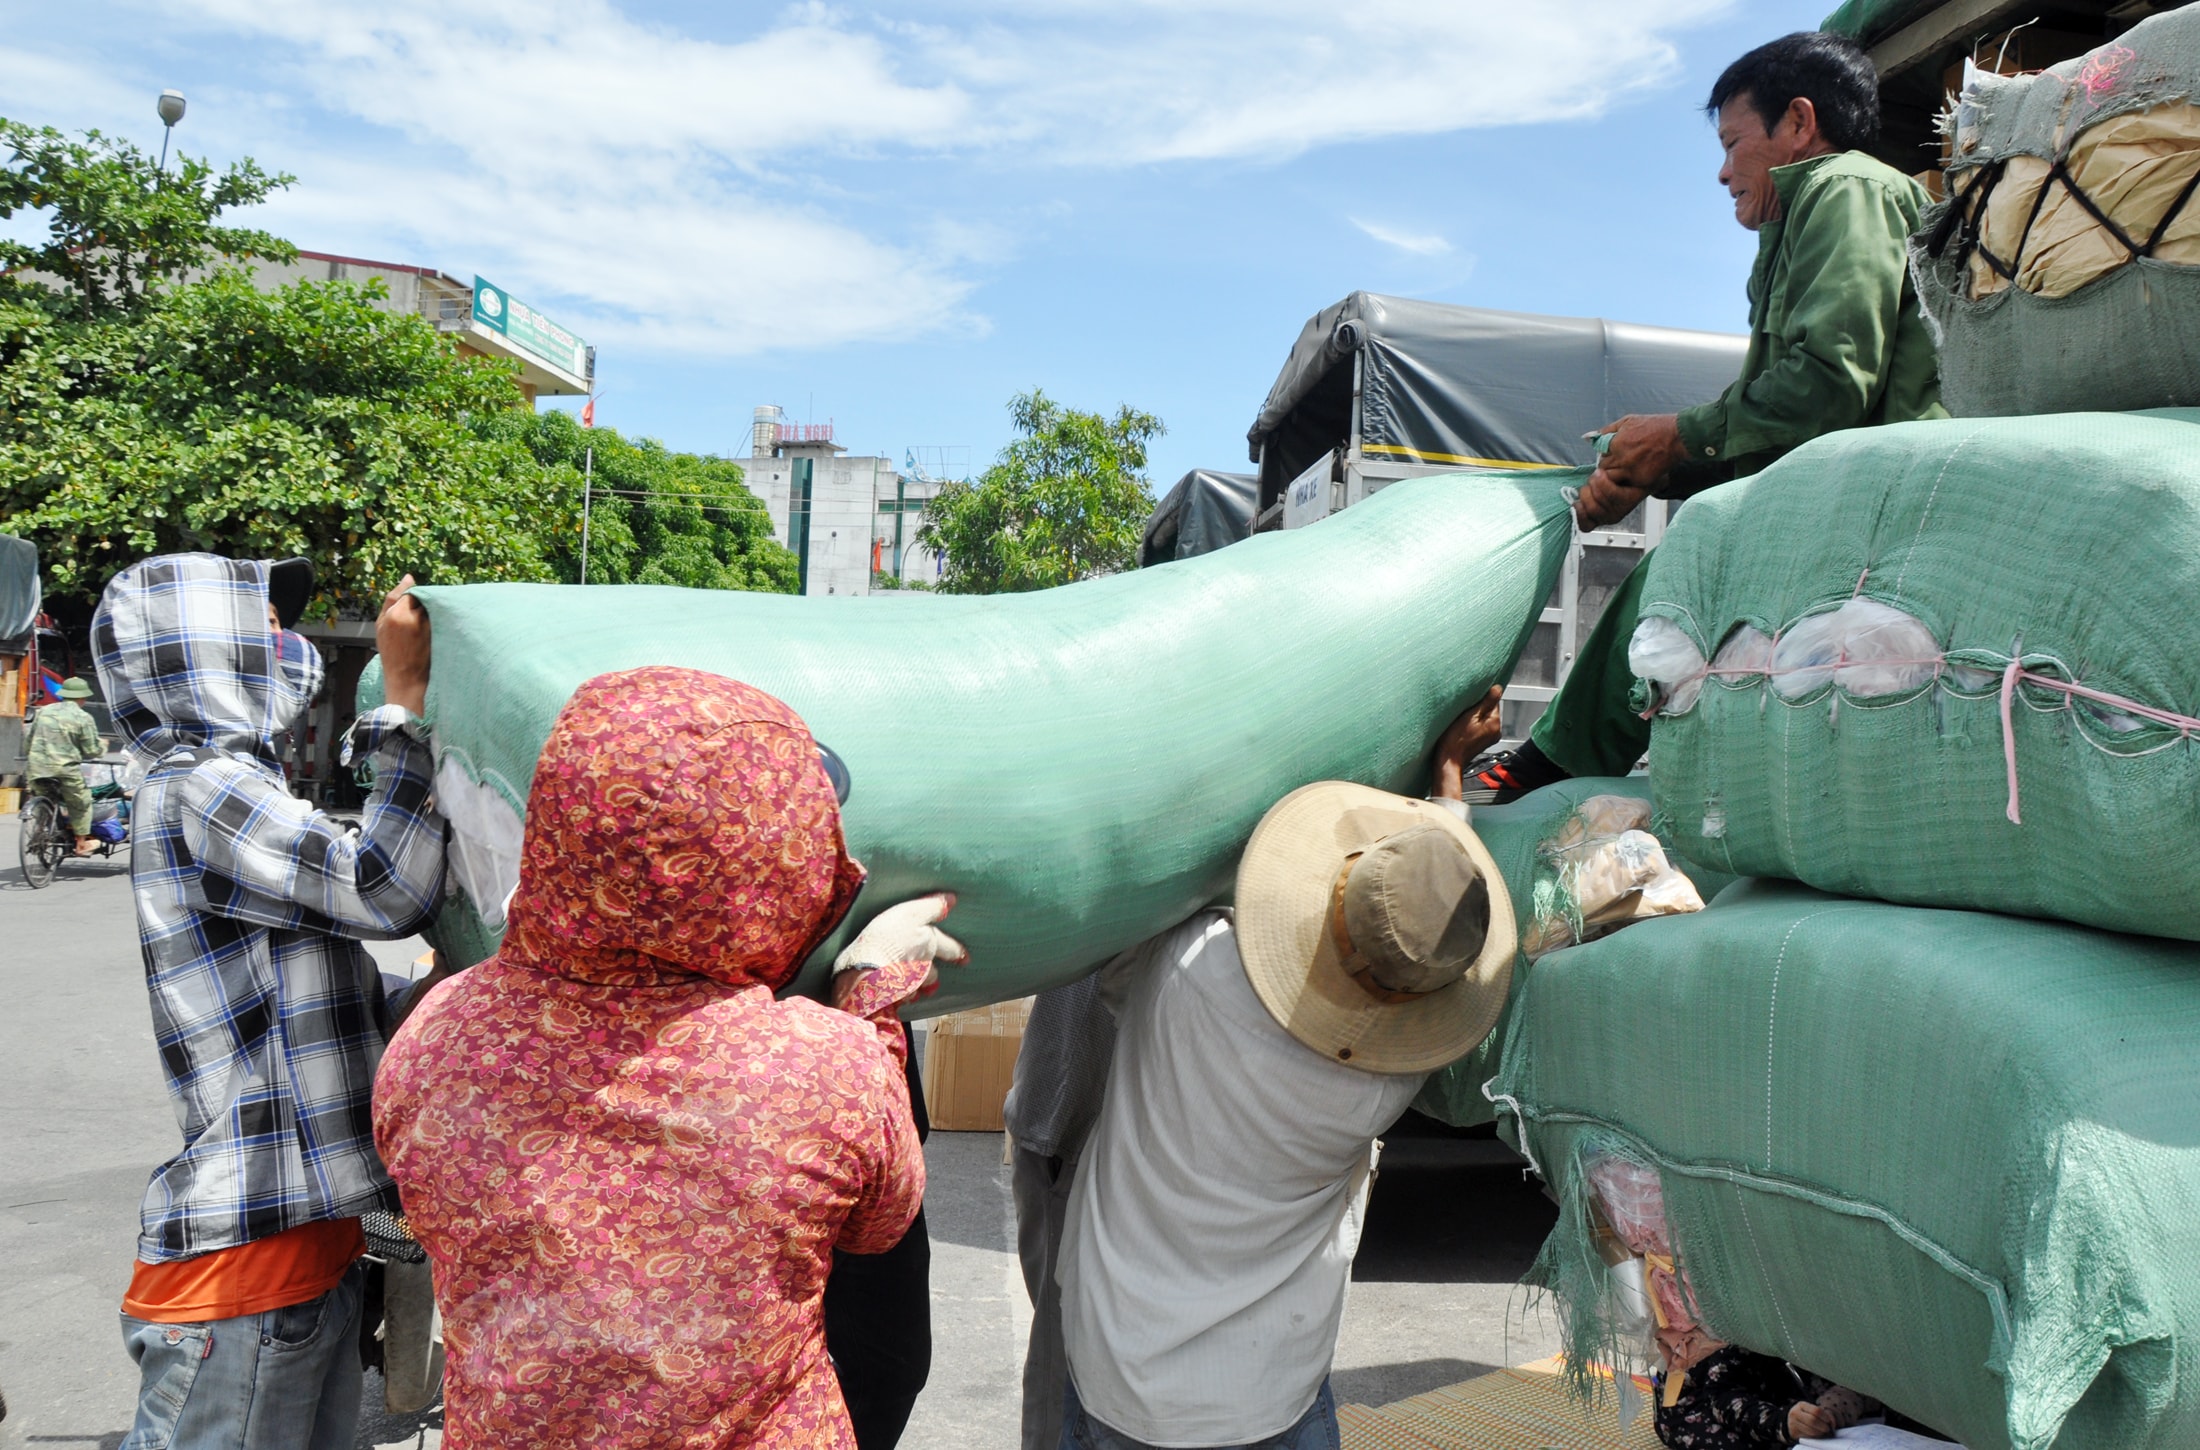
(288, 1379)
(1315, 1430)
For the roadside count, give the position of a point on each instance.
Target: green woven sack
(1852, 756)
(1516, 835)
(2129, 338)
(1080, 765)
(1949, 1159)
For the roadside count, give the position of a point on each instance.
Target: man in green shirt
(61, 736)
(1835, 341)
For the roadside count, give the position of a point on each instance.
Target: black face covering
(289, 589)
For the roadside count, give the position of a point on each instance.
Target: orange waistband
(271, 1273)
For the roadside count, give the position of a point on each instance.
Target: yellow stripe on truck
(1397, 450)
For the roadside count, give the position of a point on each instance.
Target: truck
(1378, 389)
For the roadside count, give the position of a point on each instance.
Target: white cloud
(669, 190)
(1159, 80)
(1421, 244)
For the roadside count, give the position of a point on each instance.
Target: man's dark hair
(1830, 71)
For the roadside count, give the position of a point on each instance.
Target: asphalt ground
(84, 1117)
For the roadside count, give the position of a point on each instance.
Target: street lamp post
(170, 107)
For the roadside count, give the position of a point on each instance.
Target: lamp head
(170, 107)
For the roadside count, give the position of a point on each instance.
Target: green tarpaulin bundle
(1870, 21)
(1921, 635)
(1948, 1159)
(1516, 836)
(1080, 765)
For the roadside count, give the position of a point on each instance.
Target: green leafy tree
(305, 421)
(152, 399)
(117, 225)
(655, 516)
(1067, 500)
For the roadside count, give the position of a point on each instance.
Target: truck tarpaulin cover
(1946, 1158)
(1205, 511)
(1870, 21)
(1081, 765)
(1463, 385)
(19, 586)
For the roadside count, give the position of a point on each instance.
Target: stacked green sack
(1081, 765)
(1520, 837)
(2036, 305)
(1859, 605)
(1949, 1159)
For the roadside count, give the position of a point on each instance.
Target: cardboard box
(969, 1059)
(11, 800)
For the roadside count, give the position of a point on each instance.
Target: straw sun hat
(1411, 881)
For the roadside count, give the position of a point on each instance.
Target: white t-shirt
(1217, 1207)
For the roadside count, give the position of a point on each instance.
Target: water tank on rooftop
(764, 430)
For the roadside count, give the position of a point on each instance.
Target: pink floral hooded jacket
(629, 1164)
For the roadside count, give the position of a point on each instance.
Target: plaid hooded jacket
(249, 904)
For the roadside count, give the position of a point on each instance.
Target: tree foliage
(153, 399)
(655, 516)
(305, 421)
(117, 225)
(1067, 500)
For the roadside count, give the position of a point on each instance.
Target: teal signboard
(498, 311)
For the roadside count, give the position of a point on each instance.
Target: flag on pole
(588, 413)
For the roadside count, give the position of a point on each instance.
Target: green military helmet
(76, 687)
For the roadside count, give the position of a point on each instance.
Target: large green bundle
(1081, 765)
(1517, 836)
(2063, 271)
(1949, 1159)
(1902, 569)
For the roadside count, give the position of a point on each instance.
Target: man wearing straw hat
(1214, 1219)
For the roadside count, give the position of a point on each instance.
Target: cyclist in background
(63, 736)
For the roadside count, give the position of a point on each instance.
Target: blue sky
(895, 218)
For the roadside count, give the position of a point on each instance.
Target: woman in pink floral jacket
(628, 1162)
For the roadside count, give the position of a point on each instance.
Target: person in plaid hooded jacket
(244, 1307)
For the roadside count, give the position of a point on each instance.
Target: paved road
(1449, 1231)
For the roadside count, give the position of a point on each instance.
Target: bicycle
(45, 839)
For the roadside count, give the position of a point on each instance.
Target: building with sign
(484, 319)
(846, 519)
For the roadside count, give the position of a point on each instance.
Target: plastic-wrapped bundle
(1080, 765)
(1952, 663)
(1945, 1158)
(1601, 871)
(2063, 272)
(1530, 841)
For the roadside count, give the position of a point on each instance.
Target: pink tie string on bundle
(2185, 725)
(2012, 675)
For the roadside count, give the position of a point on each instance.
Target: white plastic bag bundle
(1607, 871)
(1661, 652)
(1747, 652)
(1865, 647)
(486, 838)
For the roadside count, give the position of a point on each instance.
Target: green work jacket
(61, 736)
(1835, 336)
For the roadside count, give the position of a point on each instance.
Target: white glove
(903, 933)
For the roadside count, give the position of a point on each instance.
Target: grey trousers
(1040, 1186)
